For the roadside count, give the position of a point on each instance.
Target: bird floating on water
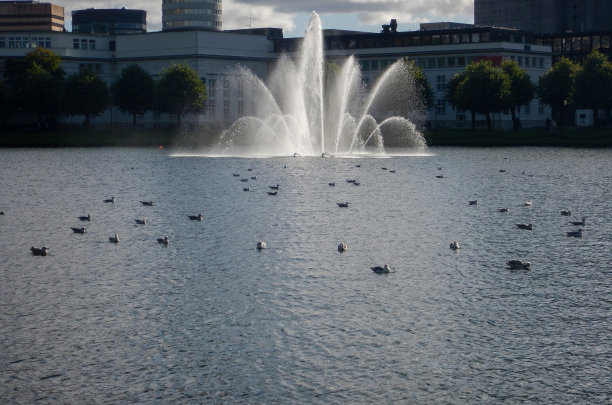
(110, 200)
(566, 213)
(579, 223)
(454, 245)
(2, 213)
(473, 202)
(381, 270)
(275, 187)
(518, 264)
(78, 230)
(42, 251)
(261, 245)
(350, 180)
(343, 205)
(147, 203)
(141, 221)
(343, 247)
(332, 184)
(244, 180)
(198, 217)
(439, 176)
(87, 218)
(114, 239)
(246, 189)
(503, 209)
(164, 240)
(529, 227)
(272, 192)
(528, 203)
(576, 234)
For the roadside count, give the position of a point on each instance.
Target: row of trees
(483, 88)
(37, 85)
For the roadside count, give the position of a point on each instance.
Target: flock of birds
(342, 247)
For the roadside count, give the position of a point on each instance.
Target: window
(441, 83)
(540, 108)
(2, 43)
(226, 88)
(441, 106)
(527, 109)
(461, 61)
(212, 108)
(212, 88)
(450, 62)
(226, 111)
(92, 45)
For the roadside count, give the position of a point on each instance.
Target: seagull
(261, 245)
(381, 270)
(454, 245)
(275, 187)
(343, 205)
(529, 227)
(78, 230)
(246, 189)
(272, 192)
(43, 251)
(576, 234)
(579, 223)
(343, 247)
(518, 264)
(2, 213)
(528, 203)
(114, 239)
(566, 213)
(110, 200)
(87, 218)
(147, 203)
(473, 202)
(164, 240)
(503, 209)
(141, 221)
(198, 217)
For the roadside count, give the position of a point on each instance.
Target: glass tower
(187, 14)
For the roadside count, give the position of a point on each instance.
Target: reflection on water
(209, 318)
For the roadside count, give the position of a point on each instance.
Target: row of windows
(447, 62)
(207, 24)
(53, 16)
(31, 24)
(25, 42)
(193, 11)
(440, 108)
(84, 44)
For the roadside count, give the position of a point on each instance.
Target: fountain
(310, 107)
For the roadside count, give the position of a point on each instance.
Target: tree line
(37, 86)
(483, 88)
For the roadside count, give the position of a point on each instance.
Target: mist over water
(310, 108)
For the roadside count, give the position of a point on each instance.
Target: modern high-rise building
(30, 16)
(190, 14)
(545, 16)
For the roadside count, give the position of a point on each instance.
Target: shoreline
(587, 138)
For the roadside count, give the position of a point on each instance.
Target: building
(192, 14)
(109, 21)
(545, 16)
(23, 16)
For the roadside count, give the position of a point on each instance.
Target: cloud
(284, 13)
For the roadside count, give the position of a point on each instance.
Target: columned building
(190, 14)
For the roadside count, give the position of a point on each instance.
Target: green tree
(86, 94)
(180, 91)
(522, 89)
(556, 86)
(133, 91)
(481, 88)
(37, 83)
(593, 85)
(424, 89)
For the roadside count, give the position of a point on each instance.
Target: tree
(180, 91)
(481, 88)
(522, 89)
(6, 100)
(593, 83)
(86, 94)
(555, 87)
(37, 83)
(423, 87)
(133, 91)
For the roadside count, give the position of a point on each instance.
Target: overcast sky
(293, 15)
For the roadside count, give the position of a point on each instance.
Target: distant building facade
(545, 16)
(190, 14)
(23, 16)
(109, 21)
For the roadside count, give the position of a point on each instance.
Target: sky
(292, 15)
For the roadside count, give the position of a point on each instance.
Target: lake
(210, 319)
